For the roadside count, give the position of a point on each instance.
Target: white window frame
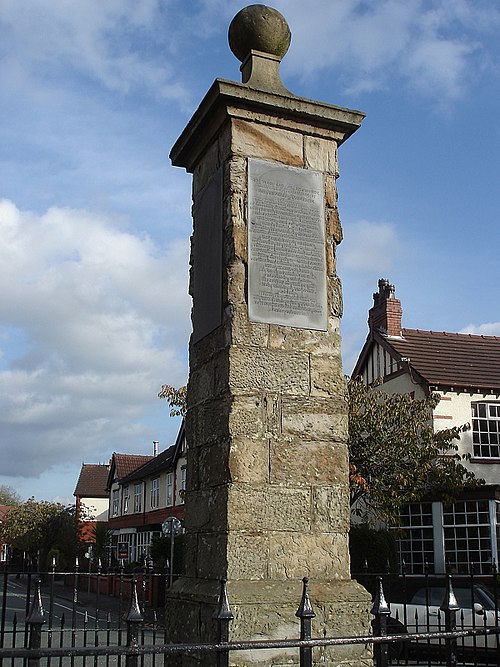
(182, 484)
(155, 493)
(485, 430)
(170, 489)
(465, 521)
(126, 499)
(115, 502)
(138, 497)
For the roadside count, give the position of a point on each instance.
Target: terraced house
(143, 492)
(465, 370)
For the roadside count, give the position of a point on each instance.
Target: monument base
(266, 610)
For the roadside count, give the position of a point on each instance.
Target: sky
(95, 221)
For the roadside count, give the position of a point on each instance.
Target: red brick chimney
(386, 312)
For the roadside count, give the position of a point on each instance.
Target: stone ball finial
(259, 28)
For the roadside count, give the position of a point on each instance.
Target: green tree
(176, 399)
(395, 457)
(38, 527)
(101, 535)
(8, 496)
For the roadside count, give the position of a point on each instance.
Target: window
(486, 430)
(170, 489)
(115, 500)
(137, 497)
(462, 534)
(467, 535)
(416, 544)
(182, 485)
(125, 499)
(155, 493)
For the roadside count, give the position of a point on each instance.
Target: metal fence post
(306, 613)
(450, 608)
(381, 612)
(224, 616)
(35, 620)
(134, 620)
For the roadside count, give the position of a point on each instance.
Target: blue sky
(94, 221)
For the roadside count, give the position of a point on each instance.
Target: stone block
(268, 508)
(206, 510)
(331, 196)
(272, 408)
(321, 155)
(244, 332)
(313, 418)
(327, 378)
(248, 555)
(268, 143)
(317, 342)
(268, 370)
(249, 460)
(214, 464)
(247, 416)
(236, 277)
(237, 174)
(300, 462)
(207, 422)
(333, 225)
(295, 555)
(331, 510)
(206, 168)
(335, 299)
(212, 554)
(208, 381)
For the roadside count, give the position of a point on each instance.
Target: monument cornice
(229, 99)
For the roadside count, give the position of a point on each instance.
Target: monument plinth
(267, 501)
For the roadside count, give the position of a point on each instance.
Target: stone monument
(267, 500)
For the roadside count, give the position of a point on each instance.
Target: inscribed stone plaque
(207, 259)
(286, 246)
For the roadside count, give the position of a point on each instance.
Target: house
(143, 492)
(465, 370)
(92, 498)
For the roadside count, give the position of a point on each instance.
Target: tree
(176, 399)
(40, 527)
(8, 496)
(395, 457)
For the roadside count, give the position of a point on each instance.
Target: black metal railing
(132, 636)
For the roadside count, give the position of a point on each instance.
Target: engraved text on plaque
(286, 246)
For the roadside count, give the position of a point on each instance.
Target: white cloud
(486, 329)
(369, 247)
(94, 39)
(432, 47)
(103, 316)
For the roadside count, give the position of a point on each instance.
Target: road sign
(171, 526)
(122, 550)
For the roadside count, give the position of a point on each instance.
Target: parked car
(417, 605)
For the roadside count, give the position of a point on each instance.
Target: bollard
(35, 620)
(381, 612)
(306, 613)
(224, 616)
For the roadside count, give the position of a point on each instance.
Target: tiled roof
(4, 510)
(125, 464)
(92, 481)
(157, 464)
(451, 359)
